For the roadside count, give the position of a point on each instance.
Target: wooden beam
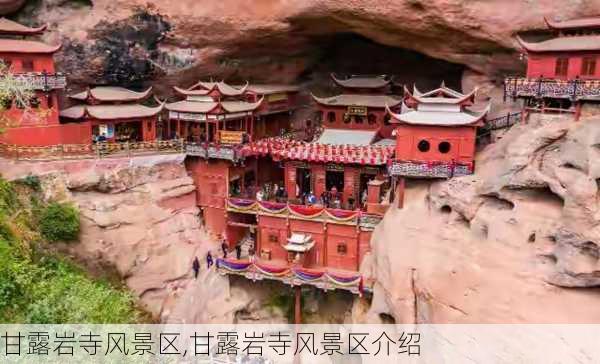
(297, 305)
(400, 192)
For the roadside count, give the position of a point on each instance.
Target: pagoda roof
(268, 89)
(26, 46)
(378, 101)
(347, 137)
(580, 23)
(372, 82)
(204, 107)
(441, 95)
(194, 107)
(10, 27)
(111, 112)
(204, 88)
(111, 93)
(566, 43)
(440, 118)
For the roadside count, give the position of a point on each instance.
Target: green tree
(59, 222)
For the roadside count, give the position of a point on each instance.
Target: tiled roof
(110, 112)
(566, 43)
(590, 22)
(111, 93)
(441, 95)
(266, 89)
(8, 26)
(440, 118)
(26, 46)
(223, 88)
(240, 106)
(362, 82)
(197, 107)
(358, 100)
(350, 137)
(203, 107)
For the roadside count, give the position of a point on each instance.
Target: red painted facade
(461, 141)
(377, 119)
(545, 65)
(336, 246)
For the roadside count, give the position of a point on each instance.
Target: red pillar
(297, 305)
(577, 111)
(400, 192)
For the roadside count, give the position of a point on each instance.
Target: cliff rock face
(139, 216)
(516, 243)
(280, 40)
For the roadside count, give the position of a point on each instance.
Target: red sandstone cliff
(518, 242)
(279, 40)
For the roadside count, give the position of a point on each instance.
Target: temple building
(561, 68)
(335, 190)
(113, 114)
(218, 119)
(360, 106)
(31, 62)
(435, 135)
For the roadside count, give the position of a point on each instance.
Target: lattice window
(588, 66)
(273, 238)
(342, 249)
(562, 66)
(27, 65)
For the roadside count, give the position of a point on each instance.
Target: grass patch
(40, 286)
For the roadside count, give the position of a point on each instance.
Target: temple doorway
(303, 179)
(334, 179)
(363, 186)
(129, 132)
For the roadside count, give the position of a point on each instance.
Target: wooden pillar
(217, 131)
(251, 128)
(168, 129)
(297, 305)
(577, 111)
(206, 131)
(400, 192)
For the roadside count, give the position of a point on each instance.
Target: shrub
(59, 222)
(31, 181)
(8, 197)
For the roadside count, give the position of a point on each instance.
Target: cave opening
(352, 54)
(309, 60)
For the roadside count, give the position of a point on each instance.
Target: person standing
(209, 260)
(196, 267)
(238, 251)
(224, 248)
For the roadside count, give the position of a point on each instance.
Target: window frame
(561, 66)
(588, 66)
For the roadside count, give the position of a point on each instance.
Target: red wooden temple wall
(45, 135)
(385, 129)
(539, 65)
(272, 235)
(211, 180)
(41, 62)
(318, 174)
(461, 139)
(336, 246)
(148, 126)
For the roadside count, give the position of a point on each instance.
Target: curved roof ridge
(8, 26)
(250, 106)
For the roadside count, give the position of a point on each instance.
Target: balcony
(573, 90)
(213, 150)
(294, 275)
(429, 169)
(41, 81)
(366, 221)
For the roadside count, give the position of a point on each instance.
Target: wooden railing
(87, 151)
(42, 80)
(542, 87)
